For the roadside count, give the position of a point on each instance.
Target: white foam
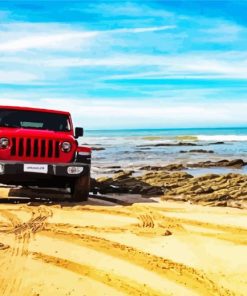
(223, 138)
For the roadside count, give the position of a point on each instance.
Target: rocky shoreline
(188, 144)
(171, 183)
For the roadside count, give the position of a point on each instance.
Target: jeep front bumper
(42, 174)
(42, 169)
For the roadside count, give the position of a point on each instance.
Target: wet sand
(102, 248)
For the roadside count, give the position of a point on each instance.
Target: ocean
(132, 149)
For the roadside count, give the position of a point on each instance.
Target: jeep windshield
(34, 120)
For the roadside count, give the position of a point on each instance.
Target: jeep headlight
(66, 147)
(74, 170)
(4, 143)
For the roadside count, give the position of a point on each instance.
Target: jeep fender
(83, 154)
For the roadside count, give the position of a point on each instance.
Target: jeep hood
(35, 133)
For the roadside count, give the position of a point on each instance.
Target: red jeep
(38, 147)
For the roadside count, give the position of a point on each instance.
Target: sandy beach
(149, 228)
(146, 247)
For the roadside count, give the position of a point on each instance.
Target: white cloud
(19, 37)
(16, 77)
(168, 67)
(221, 32)
(153, 113)
(193, 66)
(196, 65)
(55, 40)
(6, 101)
(128, 9)
(141, 30)
(99, 114)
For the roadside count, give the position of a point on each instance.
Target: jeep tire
(80, 188)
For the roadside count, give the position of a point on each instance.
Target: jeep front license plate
(36, 168)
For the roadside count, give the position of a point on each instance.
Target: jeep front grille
(35, 148)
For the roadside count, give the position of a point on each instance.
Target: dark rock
(219, 204)
(169, 167)
(217, 143)
(118, 171)
(122, 175)
(124, 182)
(236, 204)
(174, 167)
(167, 232)
(148, 168)
(207, 177)
(136, 189)
(98, 148)
(151, 190)
(93, 183)
(210, 189)
(169, 144)
(176, 144)
(113, 167)
(236, 163)
(197, 151)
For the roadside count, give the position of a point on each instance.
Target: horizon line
(178, 128)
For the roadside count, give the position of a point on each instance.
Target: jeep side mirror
(78, 132)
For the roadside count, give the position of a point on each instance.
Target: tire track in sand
(177, 272)
(14, 261)
(153, 217)
(154, 223)
(11, 283)
(122, 284)
(233, 234)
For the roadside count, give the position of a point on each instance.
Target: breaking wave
(223, 138)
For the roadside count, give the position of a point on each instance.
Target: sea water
(137, 147)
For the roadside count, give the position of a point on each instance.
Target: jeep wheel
(80, 188)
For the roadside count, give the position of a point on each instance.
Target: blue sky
(127, 64)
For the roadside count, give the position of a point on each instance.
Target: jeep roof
(34, 109)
